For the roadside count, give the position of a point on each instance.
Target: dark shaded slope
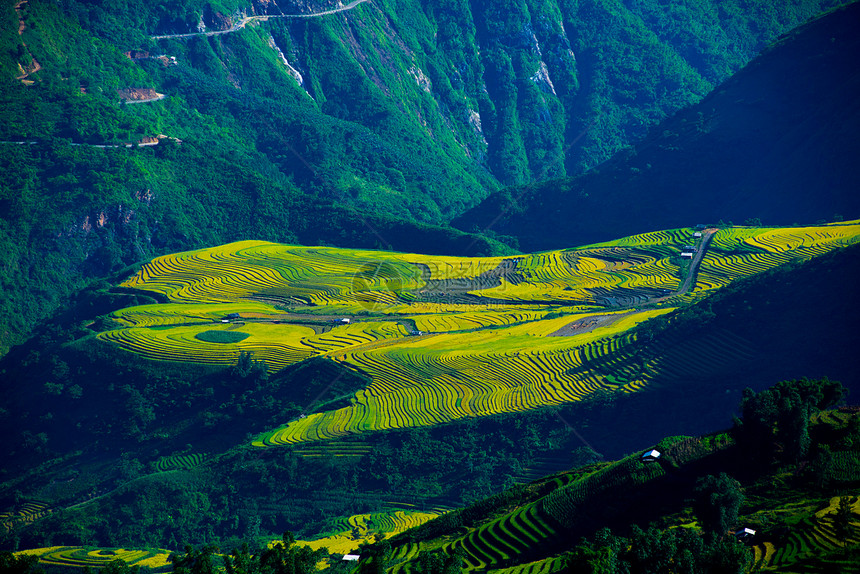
(794, 321)
(778, 141)
(546, 519)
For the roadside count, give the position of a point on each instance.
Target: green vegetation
(154, 425)
(650, 507)
(270, 131)
(479, 361)
(224, 337)
(704, 164)
(397, 386)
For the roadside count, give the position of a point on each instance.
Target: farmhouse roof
(652, 454)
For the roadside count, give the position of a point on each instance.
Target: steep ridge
(776, 142)
(542, 526)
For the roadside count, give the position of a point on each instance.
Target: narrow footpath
(247, 19)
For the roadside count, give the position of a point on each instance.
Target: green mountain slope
(557, 86)
(298, 129)
(688, 496)
(160, 451)
(775, 142)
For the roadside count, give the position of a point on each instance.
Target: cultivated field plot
(361, 528)
(444, 337)
(84, 557)
(809, 538)
(514, 534)
(740, 252)
(26, 513)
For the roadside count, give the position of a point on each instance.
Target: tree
(842, 517)
(717, 503)
(820, 471)
(119, 566)
(194, 561)
(285, 557)
(779, 416)
(249, 370)
(374, 557)
(727, 556)
(25, 564)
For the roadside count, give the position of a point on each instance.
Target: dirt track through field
(588, 324)
(707, 235)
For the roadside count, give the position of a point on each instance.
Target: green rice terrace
(76, 557)
(444, 338)
(532, 529)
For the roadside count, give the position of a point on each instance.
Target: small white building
(745, 534)
(687, 254)
(697, 234)
(351, 557)
(651, 456)
(344, 321)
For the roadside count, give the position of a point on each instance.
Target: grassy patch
(221, 336)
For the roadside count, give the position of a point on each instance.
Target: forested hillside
(776, 143)
(763, 496)
(322, 129)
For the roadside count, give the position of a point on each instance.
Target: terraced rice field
(812, 537)
(545, 566)
(336, 449)
(444, 337)
(180, 462)
(741, 252)
(507, 538)
(279, 345)
(429, 380)
(28, 512)
(362, 528)
(81, 557)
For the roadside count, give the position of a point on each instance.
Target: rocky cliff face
(532, 90)
(775, 142)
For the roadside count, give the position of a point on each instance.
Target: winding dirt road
(248, 19)
(589, 324)
(707, 235)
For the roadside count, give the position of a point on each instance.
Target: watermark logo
(378, 284)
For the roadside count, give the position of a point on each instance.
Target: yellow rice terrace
(446, 337)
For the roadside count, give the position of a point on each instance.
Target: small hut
(651, 456)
